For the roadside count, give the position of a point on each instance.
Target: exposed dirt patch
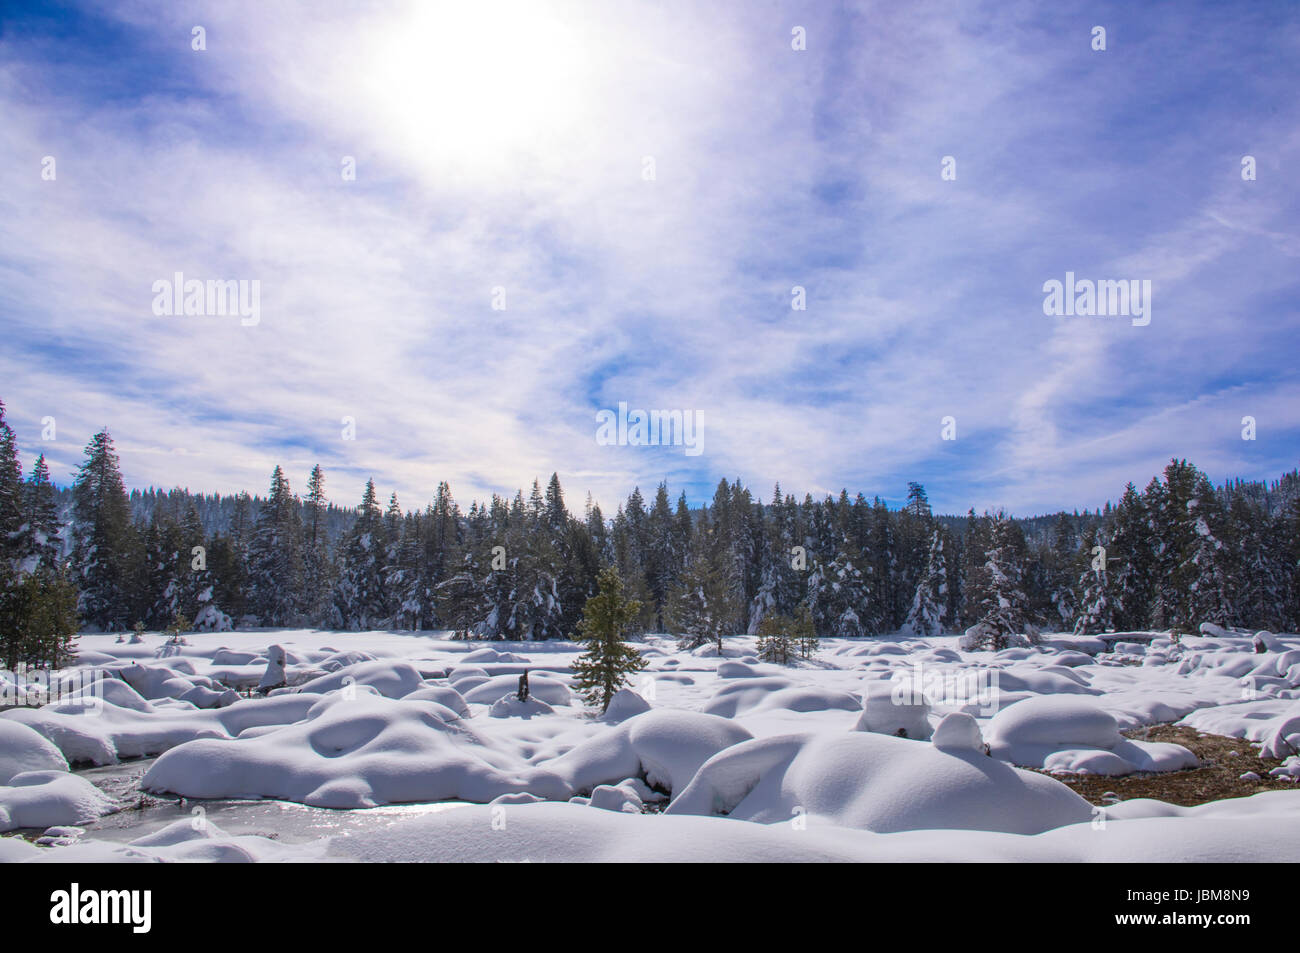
(1223, 761)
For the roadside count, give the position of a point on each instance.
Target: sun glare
(480, 83)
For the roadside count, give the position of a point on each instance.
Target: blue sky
(502, 144)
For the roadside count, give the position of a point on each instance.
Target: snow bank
(1255, 830)
(191, 841)
(875, 782)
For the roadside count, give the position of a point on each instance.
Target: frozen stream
(280, 820)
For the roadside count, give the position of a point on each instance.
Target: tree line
(1178, 553)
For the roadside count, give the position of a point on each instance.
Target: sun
(476, 84)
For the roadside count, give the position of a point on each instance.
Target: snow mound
(1054, 721)
(666, 746)
(509, 706)
(777, 694)
(492, 655)
(958, 731)
(392, 679)
(743, 669)
(626, 797)
(624, 705)
(545, 688)
(744, 694)
(107, 733)
(1267, 641)
(24, 749)
(888, 709)
(49, 799)
(874, 782)
(462, 672)
(443, 695)
(351, 753)
(1073, 736)
(176, 680)
(275, 675)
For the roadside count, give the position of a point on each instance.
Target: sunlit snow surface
(398, 746)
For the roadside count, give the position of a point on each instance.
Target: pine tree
(11, 494)
(38, 620)
(275, 557)
(359, 592)
(1097, 602)
(929, 604)
(1061, 576)
(1130, 561)
(317, 569)
(997, 592)
(837, 592)
(42, 546)
(608, 661)
(777, 641)
(1204, 575)
(700, 609)
(104, 543)
(804, 632)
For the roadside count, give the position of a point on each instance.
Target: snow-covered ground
(875, 749)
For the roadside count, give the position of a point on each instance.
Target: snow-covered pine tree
(998, 594)
(700, 608)
(780, 583)
(42, 546)
(1061, 576)
(102, 533)
(837, 593)
(1130, 561)
(359, 592)
(929, 605)
(11, 494)
(1259, 569)
(663, 563)
(608, 660)
(275, 557)
(1096, 600)
(1205, 573)
(317, 567)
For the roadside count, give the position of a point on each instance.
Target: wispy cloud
(503, 145)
